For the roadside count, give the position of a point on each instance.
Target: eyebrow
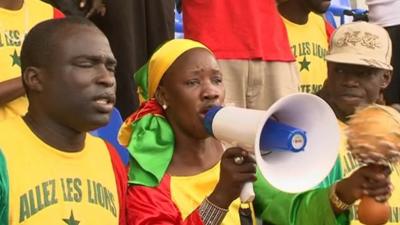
(97, 58)
(197, 70)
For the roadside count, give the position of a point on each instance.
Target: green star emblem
(71, 220)
(304, 64)
(15, 59)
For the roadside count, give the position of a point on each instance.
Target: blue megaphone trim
(209, 117)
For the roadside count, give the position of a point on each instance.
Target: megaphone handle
(247, 194)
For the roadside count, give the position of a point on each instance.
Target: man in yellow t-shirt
(17, 17)
(51, 170)
(308, 34)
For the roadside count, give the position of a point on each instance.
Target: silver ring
(238, 160)
(380, 198)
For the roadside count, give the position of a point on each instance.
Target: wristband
(210, 213)
(336, 200)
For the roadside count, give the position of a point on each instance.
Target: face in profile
(79, 85)
(191, 86)
(318, 6)
(351, 86)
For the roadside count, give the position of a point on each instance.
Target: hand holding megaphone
(247, 193)
(234, 174)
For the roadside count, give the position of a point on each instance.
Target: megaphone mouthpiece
(209, 117)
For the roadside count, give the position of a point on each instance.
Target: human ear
(160, 96)
(33, 79)
(386, 78)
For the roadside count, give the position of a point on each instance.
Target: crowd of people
(63, 71)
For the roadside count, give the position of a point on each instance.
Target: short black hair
(41, 41)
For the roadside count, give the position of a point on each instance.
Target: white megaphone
(295, 141)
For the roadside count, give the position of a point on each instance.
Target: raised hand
(371, 180)
(237, 167)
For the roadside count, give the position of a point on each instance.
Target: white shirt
(385, 13)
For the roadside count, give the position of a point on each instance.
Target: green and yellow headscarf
(146, 133)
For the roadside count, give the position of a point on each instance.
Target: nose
(350, 80)
(106, 77)
(211, 91)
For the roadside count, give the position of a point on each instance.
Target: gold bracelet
(336, 200)
(210, 213)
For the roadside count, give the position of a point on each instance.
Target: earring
(164, 106)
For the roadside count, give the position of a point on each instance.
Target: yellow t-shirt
(309, 44)
(48, 186)
(189, 192)
(349, 164)
(14, 25)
